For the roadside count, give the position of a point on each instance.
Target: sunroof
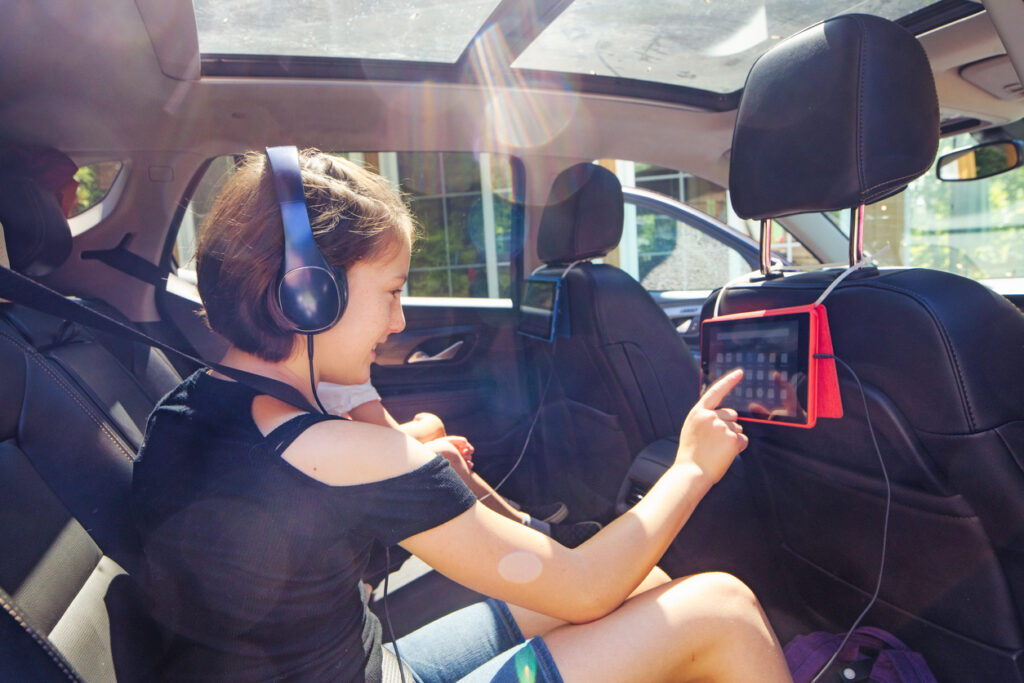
(705, 44)
(408, 30)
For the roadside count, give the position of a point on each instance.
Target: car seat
(73, 410)
(840, 115)
(623, 378)
(71, 418)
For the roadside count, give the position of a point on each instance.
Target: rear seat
(73, 410)
(62, 596)
(72, 416)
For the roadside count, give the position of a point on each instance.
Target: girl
(257, 518)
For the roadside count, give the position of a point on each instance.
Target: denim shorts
(476, 644)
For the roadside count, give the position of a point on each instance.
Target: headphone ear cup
(311, 298)
(311, 295)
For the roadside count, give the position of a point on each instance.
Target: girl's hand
(711, 437)
(464, 447)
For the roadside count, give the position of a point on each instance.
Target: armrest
(646, 469)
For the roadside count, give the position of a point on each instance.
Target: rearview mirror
(980, 161)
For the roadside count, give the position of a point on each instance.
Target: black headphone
(311, 293)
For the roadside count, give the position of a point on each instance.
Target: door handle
(448, 353)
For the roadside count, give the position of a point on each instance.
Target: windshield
(973, 228)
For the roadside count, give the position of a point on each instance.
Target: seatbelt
(19, 289)
(128, 262)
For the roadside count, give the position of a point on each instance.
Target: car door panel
(479, 390)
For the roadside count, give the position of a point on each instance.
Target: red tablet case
(823, 399)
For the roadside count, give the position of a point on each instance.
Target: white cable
(856, 266)
(543, 395)
(801, 269)
(732, 283)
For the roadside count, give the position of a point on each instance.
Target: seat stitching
(862, 68)
(951, 352)
(892, 180)
(648, 411)
(37, 359)
(43, 642)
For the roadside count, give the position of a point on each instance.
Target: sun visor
(171, 26)
(841, 114)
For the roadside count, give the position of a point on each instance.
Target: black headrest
(841, 114)
(583, 216)
(36, 232)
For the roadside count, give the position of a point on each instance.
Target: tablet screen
(773, 351)
(538, 308)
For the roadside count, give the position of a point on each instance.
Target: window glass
(694, 43)
(664, 253)
(417, 30)
(675, 256)
(464, 204)
(94, 182)
(972, 228)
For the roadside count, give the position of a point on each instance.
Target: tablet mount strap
(19, 289)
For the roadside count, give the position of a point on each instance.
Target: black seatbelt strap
(22, 290)
(130, 263)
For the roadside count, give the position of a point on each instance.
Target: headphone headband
(309, 292)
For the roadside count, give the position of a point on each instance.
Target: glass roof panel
(412, 30)
(706, 44)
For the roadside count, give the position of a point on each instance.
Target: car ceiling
(122, 79)
(126, 76)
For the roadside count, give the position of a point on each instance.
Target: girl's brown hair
(355, 215)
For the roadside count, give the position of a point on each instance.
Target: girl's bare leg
(536, 624)
(703, 627)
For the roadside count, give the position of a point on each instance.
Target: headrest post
(857, 235)
(766, 246)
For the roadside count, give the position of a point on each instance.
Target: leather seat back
(72, 416)
(843, 114)
(624, 377)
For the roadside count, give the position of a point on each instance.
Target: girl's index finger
(720, 389)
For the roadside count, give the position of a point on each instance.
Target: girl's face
(374, 312)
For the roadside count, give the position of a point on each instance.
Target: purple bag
(870, 654)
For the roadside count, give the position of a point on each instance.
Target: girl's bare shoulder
(346, 453)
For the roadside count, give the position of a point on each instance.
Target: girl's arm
(423, 427)
(374, 412)
(507, 560)
(498, 557)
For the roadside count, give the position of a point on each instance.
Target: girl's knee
(718, 596)
(728, 587)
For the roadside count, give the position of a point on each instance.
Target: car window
(673, 255)
(94, 182)
(973, 228)
(464, 204)
(664, 251)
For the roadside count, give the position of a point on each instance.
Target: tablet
(775, 350)
(539, 308)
